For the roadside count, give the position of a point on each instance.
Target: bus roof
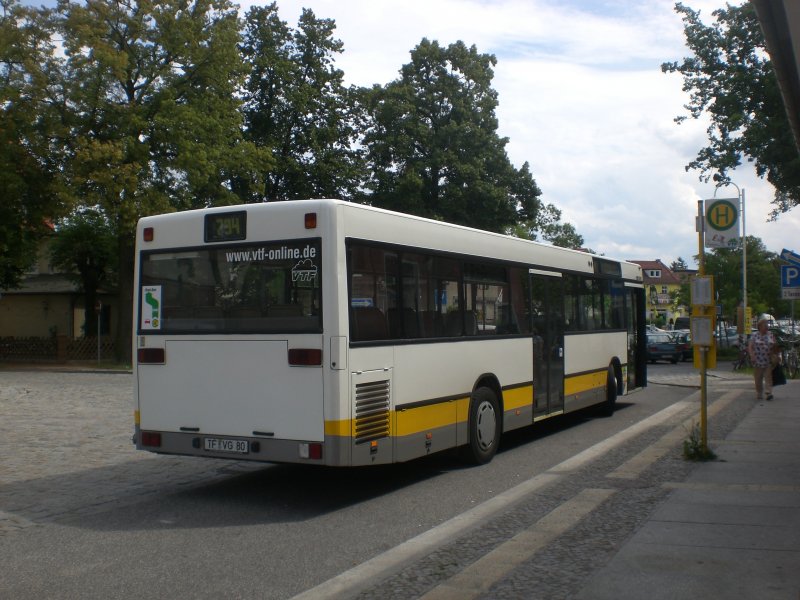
(360, 221)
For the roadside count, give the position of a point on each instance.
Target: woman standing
(761, 348)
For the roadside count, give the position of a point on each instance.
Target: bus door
(637, 351)
(547, 312)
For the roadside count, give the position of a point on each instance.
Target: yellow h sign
(722, 222)
(722, 215)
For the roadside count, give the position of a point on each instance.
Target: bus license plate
(226, 445)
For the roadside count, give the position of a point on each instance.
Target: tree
(731, 80)
(432, 143)
(296, 106)
(85, 247)
(28, 182)
(763, 277)
(679, 265)
(153, 114)
(546, 222)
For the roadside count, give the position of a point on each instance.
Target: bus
(333, 333)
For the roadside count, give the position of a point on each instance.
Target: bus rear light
(311, 220)
(311, 451)
(148, 234)
(305, 357)
(153, 356)
(151, 439)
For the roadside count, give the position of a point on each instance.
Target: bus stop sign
(722, 222)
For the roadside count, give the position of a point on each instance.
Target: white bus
(333, 333)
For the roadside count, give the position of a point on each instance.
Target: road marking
(360, 577)
(11, 522)
(632, 468)
(582, 458)
(478, 577)
(732, 487)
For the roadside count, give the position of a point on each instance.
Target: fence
(55, 349)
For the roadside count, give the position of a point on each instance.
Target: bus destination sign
(226, 227)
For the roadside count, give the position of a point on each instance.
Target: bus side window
(368, 323)
(453, 327)
(404, 323)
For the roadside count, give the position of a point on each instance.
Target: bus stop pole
(703, 350)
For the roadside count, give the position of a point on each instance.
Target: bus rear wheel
(607, 408)
(485, 421)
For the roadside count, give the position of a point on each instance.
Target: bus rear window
(265, 288)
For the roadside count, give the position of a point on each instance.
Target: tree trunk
(89, 301)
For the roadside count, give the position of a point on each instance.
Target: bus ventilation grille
(372, 411)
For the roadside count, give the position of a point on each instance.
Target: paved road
(65, 442)
(84, 515)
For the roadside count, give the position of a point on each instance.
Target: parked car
(683, 340)
(729, 338)
(661, 346)
(682, 323)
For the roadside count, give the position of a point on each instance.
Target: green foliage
(679, 265)
(85, 247)
(547, 225)
(731, 80)
(153, 102)
(28, 171)
(432, 143)
(693, 448)
(154, 115)
(297, 108)
(149, 107)
(763, 278)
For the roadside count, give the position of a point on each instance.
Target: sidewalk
(722, 372)
(732, 530)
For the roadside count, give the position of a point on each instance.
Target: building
(661, 285)
(44, 318)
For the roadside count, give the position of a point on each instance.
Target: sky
(582, 99)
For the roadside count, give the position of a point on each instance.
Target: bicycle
(790, 360)
(742, 361)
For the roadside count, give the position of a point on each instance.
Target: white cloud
(582, 99)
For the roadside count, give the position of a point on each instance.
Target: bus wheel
(607, 408)
(484, 426)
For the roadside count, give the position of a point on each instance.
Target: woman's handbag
(778, 376)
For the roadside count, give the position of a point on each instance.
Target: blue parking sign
(790, 276)
(790, 282)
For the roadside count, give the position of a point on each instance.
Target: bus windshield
(264, 288)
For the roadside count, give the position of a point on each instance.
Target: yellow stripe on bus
(517, 397)
(425, 418)
(339, 428)
(578, 384)
(412, 420)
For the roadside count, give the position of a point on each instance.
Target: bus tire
(485, 420)
(607, 408)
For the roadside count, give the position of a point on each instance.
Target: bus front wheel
(485, 421)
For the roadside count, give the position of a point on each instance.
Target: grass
(693, 448)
